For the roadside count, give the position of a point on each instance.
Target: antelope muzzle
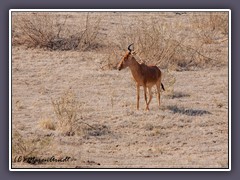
(119, 67)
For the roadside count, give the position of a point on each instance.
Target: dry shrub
(182, 45)
(69, 123)
(52, 31)
(21, 146)
(188, 42)
(28, 147)
(38, 29)
(155, 42)
(208, 26)
(65, 109)
(90, 33)
(111, 58)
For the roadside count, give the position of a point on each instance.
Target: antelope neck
(135, 69)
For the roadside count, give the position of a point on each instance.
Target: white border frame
(119, 10)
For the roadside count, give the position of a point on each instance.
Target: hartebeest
(144, 75)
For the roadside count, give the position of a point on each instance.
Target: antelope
(144, 75)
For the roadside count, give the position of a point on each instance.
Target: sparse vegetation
(166, 44)
(177, 46)
(69, 100)
(28, 147)
(65, 109)
(209, 28)
(51, 31)
(47, 124)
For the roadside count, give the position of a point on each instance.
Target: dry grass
(47, 124)
(95, 121)
(29, 147)
(37, 150)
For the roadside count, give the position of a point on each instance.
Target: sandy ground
(190, 130)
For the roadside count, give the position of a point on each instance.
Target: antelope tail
(162, 86)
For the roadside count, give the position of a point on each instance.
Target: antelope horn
(129, 47)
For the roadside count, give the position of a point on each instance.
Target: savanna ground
(68, 99)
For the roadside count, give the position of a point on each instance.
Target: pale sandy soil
(190, 130)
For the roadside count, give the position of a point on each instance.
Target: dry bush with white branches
(53, 31)
(173, 44)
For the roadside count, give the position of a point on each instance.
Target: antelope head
(126, 60)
